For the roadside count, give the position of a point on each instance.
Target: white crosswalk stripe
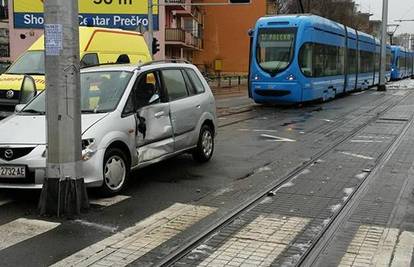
(132, 243)
(22, 229)
(258, 244)
(5, 201)
(379, 246)
(106, 202)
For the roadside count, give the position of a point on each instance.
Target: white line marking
(132, 243)
(258, 244)
(404, 250)
(5, 201)
(102, 227)
(257, 130)
(22, 229)
(379, 246)
(277, 138)
(356, 155)
(365, 141)
(106, 202)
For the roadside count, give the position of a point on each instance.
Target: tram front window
(275, 49)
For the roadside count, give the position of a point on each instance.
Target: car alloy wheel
(115, 172)
(207, 143)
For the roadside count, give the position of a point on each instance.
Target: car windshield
(100, 92)
(32, 63)
(275, 49)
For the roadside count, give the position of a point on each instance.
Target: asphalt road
(250, 138)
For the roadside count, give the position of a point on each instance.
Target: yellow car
(25, 77)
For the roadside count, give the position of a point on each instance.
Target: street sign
(123, 14)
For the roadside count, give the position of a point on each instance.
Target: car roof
(133, 67)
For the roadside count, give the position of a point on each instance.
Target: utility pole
(150, 26)
(382, 81)
(64, 192)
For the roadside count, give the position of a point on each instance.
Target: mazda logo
(8, 154)
(10, 94)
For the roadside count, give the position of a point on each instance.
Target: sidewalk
(232, 100)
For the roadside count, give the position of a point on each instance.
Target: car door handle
(159, 114)
(198, 106)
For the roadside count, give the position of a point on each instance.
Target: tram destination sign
(123, 14)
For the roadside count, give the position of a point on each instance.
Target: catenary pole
(384, 62)
(150, 26)
(64, 192)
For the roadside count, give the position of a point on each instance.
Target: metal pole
(381, 86)
(150, 25)
(64, 192)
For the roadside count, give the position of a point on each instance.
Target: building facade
(226, 42)
(180, 30)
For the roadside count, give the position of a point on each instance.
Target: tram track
(254, 200)
(324, 237)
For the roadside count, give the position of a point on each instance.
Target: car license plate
(12, 171)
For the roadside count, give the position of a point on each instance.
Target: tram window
(319, 60)
(367, 61)
(352, 61)
(305, 59)
(389, 61)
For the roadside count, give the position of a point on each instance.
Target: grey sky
(398, 9)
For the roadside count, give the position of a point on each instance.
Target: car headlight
(88, 148)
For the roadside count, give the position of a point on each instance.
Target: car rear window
(196, 82)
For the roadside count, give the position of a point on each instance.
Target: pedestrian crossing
(379, 246)
(23, 229)
(132, 243)
(258, 243)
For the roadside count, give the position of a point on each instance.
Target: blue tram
(299, 58)
(402, 64)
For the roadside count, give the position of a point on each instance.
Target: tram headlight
(256, 77)
(291, 77)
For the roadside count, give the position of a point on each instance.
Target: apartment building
(183, 28)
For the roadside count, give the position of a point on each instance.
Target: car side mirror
(155, 98)
(19, 107)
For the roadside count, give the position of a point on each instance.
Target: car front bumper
(35, 162)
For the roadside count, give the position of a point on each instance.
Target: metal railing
(174, 35)
(174, 1)
(226, 81)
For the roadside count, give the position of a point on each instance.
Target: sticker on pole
(53, 39)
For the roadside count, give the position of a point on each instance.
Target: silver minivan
(131, 117)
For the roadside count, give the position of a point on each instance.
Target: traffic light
(155, 46)
(239, 1)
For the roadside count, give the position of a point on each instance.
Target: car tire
(205, 145)
(116, 169)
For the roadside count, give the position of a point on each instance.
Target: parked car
(131, 117)
(25, 77)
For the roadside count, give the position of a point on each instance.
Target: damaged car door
(154, 137)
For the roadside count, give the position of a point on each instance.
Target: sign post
(64, 192)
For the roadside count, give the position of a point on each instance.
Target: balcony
(179, 37)
(175, 4)
(174, 35)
